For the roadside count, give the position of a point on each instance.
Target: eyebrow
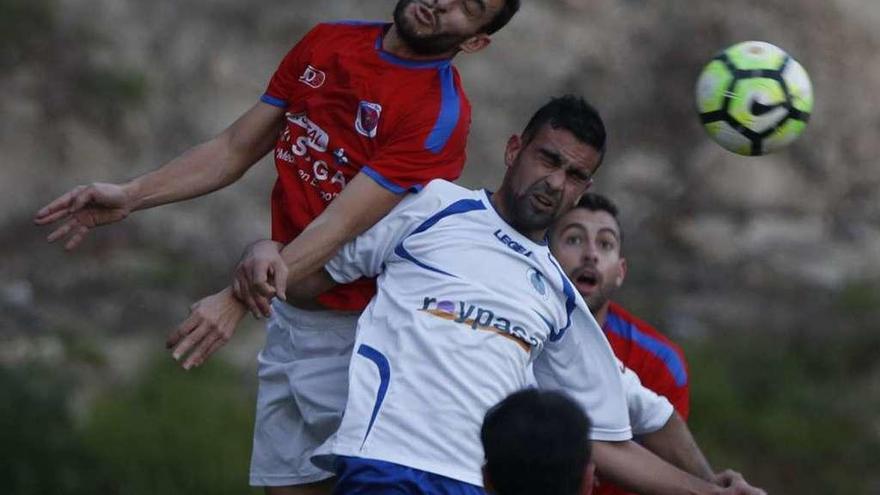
(552, 155)
(612, 231)
(575, 225)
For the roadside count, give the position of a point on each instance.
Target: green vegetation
(170, 433)
(774, 408)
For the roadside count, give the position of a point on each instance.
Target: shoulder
(625, 325)
(620, 316)
(446, 191)
(333, 33)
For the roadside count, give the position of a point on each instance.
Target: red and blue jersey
(352, 107)
(658, 362)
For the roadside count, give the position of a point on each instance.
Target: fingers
(264, 305)
(181, 331)
(191, 340)
(252, 285)
(63, 230)
(205, 347)
(279, 276)
(58, 208)
(73, 228)
(49, 216)
(78, 235)
(259, 279)
(728, 477)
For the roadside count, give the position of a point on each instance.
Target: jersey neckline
(488, 195)
(403, 62)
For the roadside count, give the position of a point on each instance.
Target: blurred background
(766, 270)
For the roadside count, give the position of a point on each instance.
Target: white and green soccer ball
(753, 98)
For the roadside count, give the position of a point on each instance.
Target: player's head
(444, 27)
(588, 243)
(551, 164)
(537, 442)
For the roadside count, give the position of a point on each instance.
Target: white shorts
(303, 387)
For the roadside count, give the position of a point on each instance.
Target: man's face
(587, 245)
(437, 27)
(545, 177)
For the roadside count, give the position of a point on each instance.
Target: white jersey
(464, 305)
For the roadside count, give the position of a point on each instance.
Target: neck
(601, 315)
(499, 202)
(394, 44)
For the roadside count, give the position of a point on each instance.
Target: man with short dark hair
(469, 302)
(588, 242)
(535, 442)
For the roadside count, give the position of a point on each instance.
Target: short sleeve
(648, 411)
(427, 143)
(582, 364)
(292, 66)
(366, 253)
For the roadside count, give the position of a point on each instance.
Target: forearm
(310, 251)
(211, 165)
(200, 170)
(675, 444)
(357, 208)
(636, 469)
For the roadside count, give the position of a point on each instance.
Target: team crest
(537, 281)
(313, 77)
(367, 121)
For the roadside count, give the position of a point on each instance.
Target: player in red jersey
(588, 241)
(358, 114)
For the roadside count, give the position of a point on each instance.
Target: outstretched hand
(82, 209)
(210, 325)
(261, 274)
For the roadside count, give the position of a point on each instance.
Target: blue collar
(410, 64)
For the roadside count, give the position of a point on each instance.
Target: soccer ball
(753, 98)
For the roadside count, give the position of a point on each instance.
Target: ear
(514, 146)
(622, 272)
(475, 43)
(586, 189)
(589, 479)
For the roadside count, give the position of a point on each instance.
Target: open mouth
(543, 202)
(424, 15)
(588, 280)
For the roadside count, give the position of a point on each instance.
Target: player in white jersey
(468, 296)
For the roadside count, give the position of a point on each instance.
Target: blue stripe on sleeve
(570, 304)
(387, 184)
(654, 346)
(450, 109)
(457, 208)
(384, 369)
(275, 102)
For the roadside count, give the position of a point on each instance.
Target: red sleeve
(426, 144)
(290, 69)
(680, 397)
(656, 376)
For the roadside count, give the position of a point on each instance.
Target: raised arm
(206, 167)
(261, 276)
